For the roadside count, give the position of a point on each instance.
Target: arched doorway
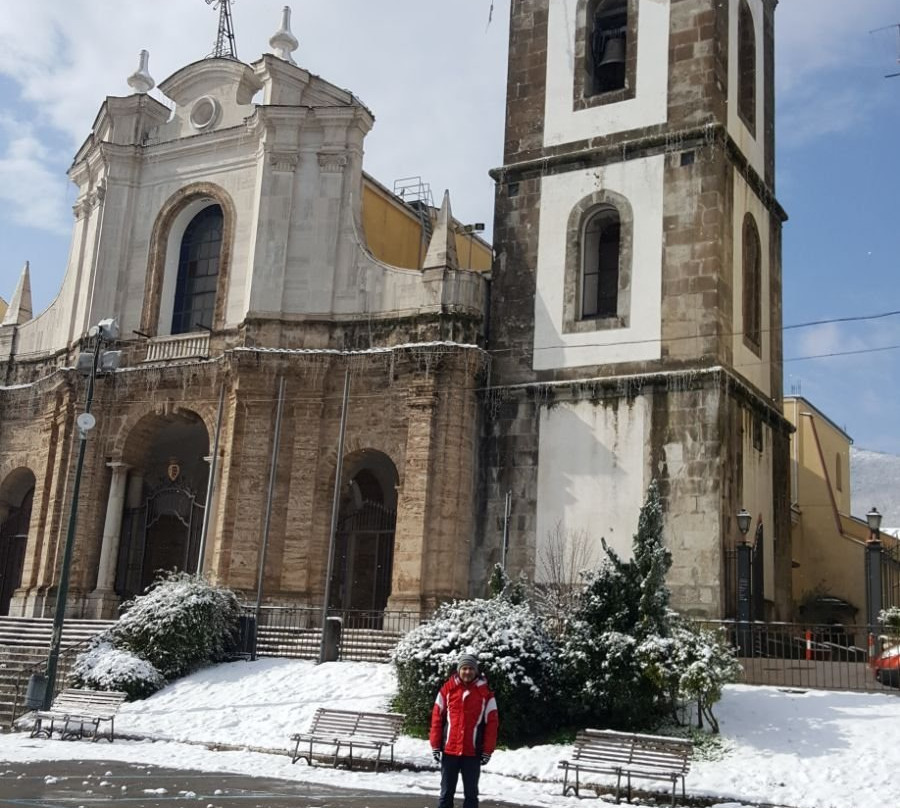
(364, 541)
(16, 497)
(166, 497)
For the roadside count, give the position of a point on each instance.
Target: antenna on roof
(888, 28)
(225, 47)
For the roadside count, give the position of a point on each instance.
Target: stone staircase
(24, 645)
(357, 644)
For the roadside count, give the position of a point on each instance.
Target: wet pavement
(89, 784)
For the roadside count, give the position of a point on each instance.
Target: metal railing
(63, 670)
(802, 655)
(296, 631)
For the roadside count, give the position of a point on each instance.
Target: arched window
(601, 248)
(606, 46)
(198, 272)
(752, 284)
(746, 67)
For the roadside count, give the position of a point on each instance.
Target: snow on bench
(337, 728)
(651, 757)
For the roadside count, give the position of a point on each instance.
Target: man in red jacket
(463, 731)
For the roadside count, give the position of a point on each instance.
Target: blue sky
(434, 75)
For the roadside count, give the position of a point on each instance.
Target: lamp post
(743, 581)
(470, 230)
(873, 573)
(89, 363)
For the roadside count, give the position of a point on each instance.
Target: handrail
(65, 657)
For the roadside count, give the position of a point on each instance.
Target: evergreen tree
(624, 603)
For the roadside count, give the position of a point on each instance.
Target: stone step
(36, 631)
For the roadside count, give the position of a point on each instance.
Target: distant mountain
(875, 481)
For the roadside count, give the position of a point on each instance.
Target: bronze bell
(613, 52)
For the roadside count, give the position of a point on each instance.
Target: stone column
(104, 601)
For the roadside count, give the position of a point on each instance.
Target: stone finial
(141, 81)
(442, 247)
(19, 310)
(283, 40)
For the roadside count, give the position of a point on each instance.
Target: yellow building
(828, 543)
(2, 308)
(398, 227)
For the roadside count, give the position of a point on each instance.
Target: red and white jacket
(464, 720)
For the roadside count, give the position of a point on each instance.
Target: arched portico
(364, 540)
(16, 496)
(155, 507)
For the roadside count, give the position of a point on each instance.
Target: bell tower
(636, 294)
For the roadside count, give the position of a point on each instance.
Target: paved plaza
(88, 784)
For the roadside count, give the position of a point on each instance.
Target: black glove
(485, 758)
(436, 754)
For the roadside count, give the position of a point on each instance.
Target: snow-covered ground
(782, 747)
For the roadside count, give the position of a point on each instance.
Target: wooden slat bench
(74, 709)
(347, 728)
(625, 754)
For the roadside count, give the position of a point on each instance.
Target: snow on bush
(628, 660)
(890, 619)
(691, 666)
(181, 623)
(516, 655)
(103, 667)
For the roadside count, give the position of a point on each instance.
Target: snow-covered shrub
(181, 623)
(890, 620)
(630, 661)
(103, 667)
(516, 655)
(691, 666)
(623, 604)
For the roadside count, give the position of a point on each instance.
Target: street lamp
(743, 580)
(873, 518)
(743, 520)
(90, 364)
(873, 572)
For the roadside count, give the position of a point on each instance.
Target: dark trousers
(451, 767)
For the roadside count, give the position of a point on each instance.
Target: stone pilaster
(413, 505)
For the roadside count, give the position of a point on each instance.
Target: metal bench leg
(378, 759)
(618, 787)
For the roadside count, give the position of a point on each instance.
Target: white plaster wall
(752, 148)
(591, 473)
(641, 182)
(649, 106)
(754, 368)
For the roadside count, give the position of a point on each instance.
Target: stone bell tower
(636, 298)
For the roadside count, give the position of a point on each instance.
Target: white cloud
(818, 40)
(830, 67)
(433, 74)
(31, 193)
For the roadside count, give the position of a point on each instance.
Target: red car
(887, 667)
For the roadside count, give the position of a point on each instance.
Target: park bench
(350, 729)
(73, 710)
(628, 755)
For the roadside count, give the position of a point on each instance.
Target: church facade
(284, 318)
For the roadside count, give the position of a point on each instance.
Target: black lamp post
(743, 581)
(873, 519)
(873, 574)
(89, 363)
